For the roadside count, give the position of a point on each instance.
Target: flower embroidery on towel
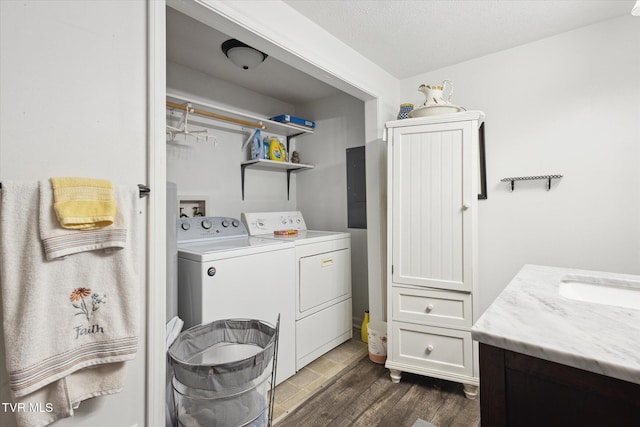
(77, 299)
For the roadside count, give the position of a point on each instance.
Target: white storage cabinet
(432, 290)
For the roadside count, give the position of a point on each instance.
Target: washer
(223, 273)
(322, 281)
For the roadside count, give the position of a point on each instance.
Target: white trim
(156, 231)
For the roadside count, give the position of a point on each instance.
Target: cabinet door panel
(431, 185)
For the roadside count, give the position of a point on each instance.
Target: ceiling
(405, 38)
(197, 46)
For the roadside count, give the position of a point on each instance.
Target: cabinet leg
(395, 375)
(471, 391)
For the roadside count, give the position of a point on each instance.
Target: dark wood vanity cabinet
(518, 390)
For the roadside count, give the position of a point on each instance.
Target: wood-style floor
(363, 395)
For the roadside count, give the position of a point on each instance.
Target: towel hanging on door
(59, 242)
(68, 324)
(83, 203)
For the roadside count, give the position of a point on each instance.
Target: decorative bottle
(364, 336)
(405, 109)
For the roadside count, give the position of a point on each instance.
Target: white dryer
(223, 273)
(323, 281)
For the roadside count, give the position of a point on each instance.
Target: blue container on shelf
(286, 118)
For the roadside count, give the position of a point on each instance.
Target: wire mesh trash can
(224, 373)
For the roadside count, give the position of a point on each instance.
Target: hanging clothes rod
(215, 116)
(144, 190)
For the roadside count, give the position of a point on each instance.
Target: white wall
(212, 168)
(565, 105)
(73, 103)
(322, 192)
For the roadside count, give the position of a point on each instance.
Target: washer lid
(208, 250)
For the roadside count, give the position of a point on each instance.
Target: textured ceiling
(407, 38)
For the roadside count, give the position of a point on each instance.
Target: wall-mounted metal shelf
(548, 178)
(262, 164)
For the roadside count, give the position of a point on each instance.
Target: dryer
(223, 273)
(323, 302)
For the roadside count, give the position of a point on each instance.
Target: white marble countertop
(531, 317)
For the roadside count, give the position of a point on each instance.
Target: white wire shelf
(284, 129)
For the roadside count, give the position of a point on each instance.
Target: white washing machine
(322, 277)
(223, 273)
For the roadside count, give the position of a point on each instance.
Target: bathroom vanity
(561, 347)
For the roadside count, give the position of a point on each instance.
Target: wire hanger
(183, 127)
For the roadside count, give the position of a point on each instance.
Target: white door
(432, 202)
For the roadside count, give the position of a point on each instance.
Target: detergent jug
(275, 150)
(257, 148)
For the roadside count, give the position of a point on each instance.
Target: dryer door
(324, 278)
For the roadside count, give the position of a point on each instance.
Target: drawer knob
(429, 308)
(429, 349)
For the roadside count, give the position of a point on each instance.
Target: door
(432, 199)
(75, 103)
(324, 277)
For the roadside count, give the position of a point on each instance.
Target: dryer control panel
(214, 227)
(259, 223)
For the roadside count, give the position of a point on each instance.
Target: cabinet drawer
(441, 349)
(438, 308)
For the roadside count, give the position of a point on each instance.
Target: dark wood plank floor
(365, 396)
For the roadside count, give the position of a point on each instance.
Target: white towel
(59, 242)
(63, 316)
(60, 398)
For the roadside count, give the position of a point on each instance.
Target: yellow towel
(83, 203)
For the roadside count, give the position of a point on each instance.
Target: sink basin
(601, 290)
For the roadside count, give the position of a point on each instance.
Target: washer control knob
(235, 223)
(185, 226)
(225, 223)
(206, 224)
